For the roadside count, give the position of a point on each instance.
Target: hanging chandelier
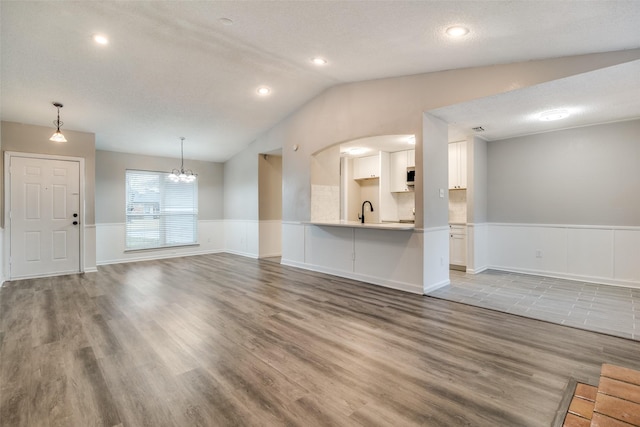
(182, 175)
(58, 136)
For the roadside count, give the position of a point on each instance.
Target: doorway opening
(270, 204)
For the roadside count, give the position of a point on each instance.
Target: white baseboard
(436, 286)
(90, 270)
(244, 254)
(477, 270)
(406, 287)
(576, 277)
(270, 255)
(154, 256)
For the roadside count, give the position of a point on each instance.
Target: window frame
(160, 213)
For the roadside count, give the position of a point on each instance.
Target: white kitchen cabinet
(399, 163)
(366, 167)
(458, 245)
(458, 165)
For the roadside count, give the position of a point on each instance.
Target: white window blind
(160, 212)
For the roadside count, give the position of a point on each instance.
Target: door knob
(75, 215)
(75, 222)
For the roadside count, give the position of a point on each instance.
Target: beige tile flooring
(612, 310)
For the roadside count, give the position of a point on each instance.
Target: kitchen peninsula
(361, 226)
(385, 254)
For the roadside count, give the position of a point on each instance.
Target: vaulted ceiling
(177, 68)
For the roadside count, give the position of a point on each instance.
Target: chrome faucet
(361, 217)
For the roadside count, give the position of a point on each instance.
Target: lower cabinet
(458, 246)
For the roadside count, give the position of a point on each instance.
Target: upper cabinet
(458, 165)
(400, 163)
(366, 167)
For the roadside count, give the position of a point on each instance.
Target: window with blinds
(160, 212)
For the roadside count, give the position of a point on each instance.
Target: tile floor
(607, 309)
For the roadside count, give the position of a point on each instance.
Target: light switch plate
(442, 193)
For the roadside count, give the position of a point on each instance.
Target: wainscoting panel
(436, 258)
(241, 237)
(292, 243)
(590, 252)
(89, 255)
(330, 248)
(110, 244)
(600, 254)
(626, 263)
(383, 257)
(389, 258)
(477, 248)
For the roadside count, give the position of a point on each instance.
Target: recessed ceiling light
(551, 115)
(457, 31)
(263, 90)
(319, 61)
(100, 39)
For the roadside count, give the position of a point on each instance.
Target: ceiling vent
(478, 129)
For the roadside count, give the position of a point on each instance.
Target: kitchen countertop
(357, 224)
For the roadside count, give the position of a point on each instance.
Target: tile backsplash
(458, 206)
(325, 202)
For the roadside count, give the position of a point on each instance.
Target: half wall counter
(385, 254)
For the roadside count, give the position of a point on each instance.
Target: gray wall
(586, 176)
(25, 138)
(435, 171)
(110, 183)
(477, 185)
(270, 182)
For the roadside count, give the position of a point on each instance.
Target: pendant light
(58, 136)
(181, 175)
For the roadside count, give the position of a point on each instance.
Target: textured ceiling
(606, 95)
(173, 68)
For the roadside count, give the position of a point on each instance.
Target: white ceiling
(605, 95)
(175, 69)
(371, 145)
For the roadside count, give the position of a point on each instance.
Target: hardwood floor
(224, 340)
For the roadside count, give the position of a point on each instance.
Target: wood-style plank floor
(221, 340)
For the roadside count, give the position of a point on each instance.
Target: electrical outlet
(538, 253)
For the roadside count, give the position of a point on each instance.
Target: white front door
(44, 216)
